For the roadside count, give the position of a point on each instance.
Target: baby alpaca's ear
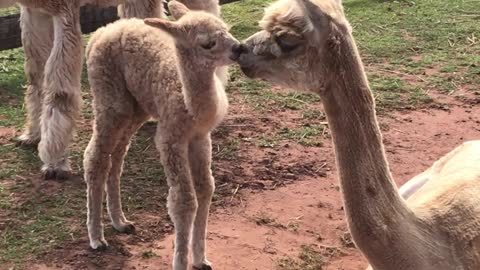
(172, 28)
(177, 9)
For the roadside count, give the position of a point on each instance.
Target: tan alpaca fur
(308, 45)
(52, 42)
(137, 71)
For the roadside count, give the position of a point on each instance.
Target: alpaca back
(449, 199)
(141, 58)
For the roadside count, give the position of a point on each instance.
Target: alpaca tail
(60, 113)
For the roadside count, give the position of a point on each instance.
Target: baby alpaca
(167, 72)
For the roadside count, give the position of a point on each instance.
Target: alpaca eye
(209, 45)
(287, 42)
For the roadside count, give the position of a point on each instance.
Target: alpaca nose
(237, 50)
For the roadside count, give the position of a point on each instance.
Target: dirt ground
(279, 200)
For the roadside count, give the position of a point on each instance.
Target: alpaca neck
(200, 84)
(376, 214)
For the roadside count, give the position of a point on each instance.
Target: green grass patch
(264, 219)
(148, 254)
(412, 36)
(228, 150)
(308, 259)
(243, 16)
(307, 135)
(12, 80)
(9, 11)
(267, 141)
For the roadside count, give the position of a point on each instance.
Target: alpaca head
(204, 36)
(296, 35)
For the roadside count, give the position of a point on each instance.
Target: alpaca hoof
(49, 174)
(26, 142)
(203, 266)
(128, 228)
(99, 245)
(55, 174)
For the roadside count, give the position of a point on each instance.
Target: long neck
(198, 81)
(376, 214)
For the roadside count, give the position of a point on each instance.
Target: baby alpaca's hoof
(99, 245)
(203, 267)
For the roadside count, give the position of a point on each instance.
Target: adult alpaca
(308, 45)
(52, 41)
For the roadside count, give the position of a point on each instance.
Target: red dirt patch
(6, 133)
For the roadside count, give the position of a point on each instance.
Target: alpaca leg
(182, 203)
(97, 164)
(37, 41)
(200, 155)
(62, 96)
(119, 222)
(141, 9)
(114, 111)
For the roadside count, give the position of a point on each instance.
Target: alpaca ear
(177, 9)
(172, 28)
(321, 9)
(319, 15)
(314, 20)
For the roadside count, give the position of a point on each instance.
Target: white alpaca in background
(52, 41)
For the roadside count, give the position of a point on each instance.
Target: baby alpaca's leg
(97, 164)
(62, 95)
(114, 203)
(37, 41)
(200, 155)
(182, 203)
